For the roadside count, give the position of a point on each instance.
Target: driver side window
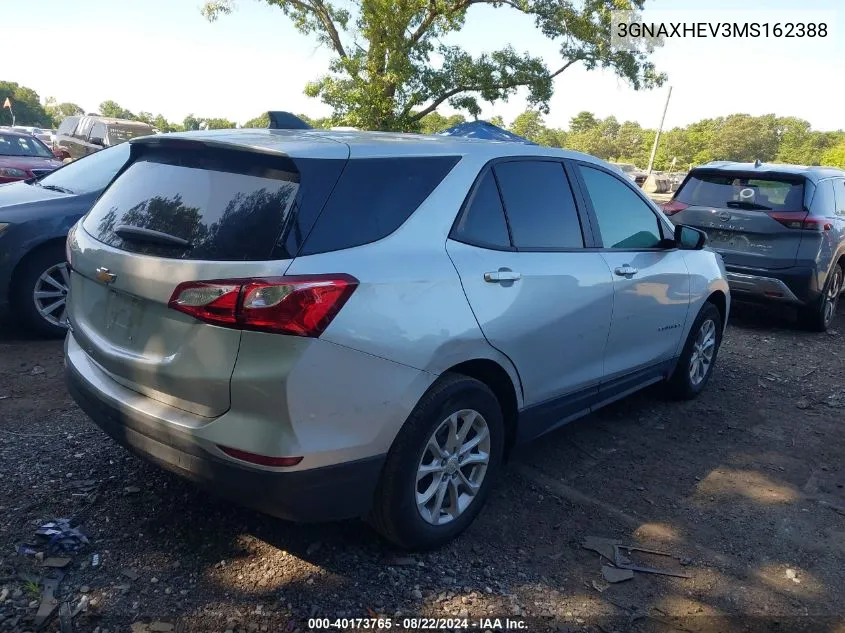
(625, 221)
(98, 132)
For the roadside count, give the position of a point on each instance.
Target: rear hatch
(750, 218)
(184, 210)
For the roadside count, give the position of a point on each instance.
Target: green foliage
(738, 137)
(26, 105)
(59, 111)
(260, 121)
(390, 68)
(113, 109)
(435, 122)
(835, 156)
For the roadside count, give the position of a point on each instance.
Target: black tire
(818, 316)
(23, 286)
(395, 514)
(681, 385)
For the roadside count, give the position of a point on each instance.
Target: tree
(191, 122)
(835, 156)
(260, 121)
(383, 74)
(26, 105)
(530, 125)
(218, 124)
(435, 122)
(498, 121)
(113, 109)
(582, 122)
(163, 125)
(58, 111)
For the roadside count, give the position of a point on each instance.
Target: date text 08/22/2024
(417, 624)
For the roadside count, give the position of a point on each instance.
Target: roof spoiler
(286, 121)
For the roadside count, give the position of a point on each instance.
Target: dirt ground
(743, 485)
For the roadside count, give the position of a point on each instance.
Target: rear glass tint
(373, 198)
(229, 210)
(743, 191)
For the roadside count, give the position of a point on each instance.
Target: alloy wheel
(702, 352)
(831, 298)
(452, 467)
(50, 294)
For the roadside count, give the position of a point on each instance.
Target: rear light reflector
(261, 460)
(295, 305)
(673, 206)
(799, 220)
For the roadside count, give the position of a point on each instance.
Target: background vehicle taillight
(673, 206)
(296, 305)
(799, 220)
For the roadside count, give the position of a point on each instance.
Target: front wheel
(439, 470)
(698, 356)
(820, 314)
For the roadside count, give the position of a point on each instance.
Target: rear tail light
(673, 206)
(799, 220)
(261, 460)
(296, 305)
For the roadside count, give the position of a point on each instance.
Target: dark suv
(83, 135)
(779, 228)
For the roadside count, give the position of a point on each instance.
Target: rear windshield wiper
(742, 204)
(149, 236)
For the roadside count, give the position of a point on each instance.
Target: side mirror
(689, 239)
(96, 141)
(61, 153)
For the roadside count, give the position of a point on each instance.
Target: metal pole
(657, 136)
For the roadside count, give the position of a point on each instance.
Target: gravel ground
(743, 485)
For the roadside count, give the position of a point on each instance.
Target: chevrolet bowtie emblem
(105, 275)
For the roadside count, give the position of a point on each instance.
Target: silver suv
(779, 228)
(326, 325)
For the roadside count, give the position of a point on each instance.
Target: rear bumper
(328, 493)
(793, 286)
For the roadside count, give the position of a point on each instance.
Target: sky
(162, 56)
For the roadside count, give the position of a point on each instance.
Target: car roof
(15, 133)
(811, 172)
(362, 144)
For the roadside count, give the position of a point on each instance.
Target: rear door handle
(626, 271)
(502, 274)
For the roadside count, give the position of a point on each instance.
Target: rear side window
(743, 191)
(224, 215)
(373, 198)
(539, 205)
(68, 125)
(482, 222)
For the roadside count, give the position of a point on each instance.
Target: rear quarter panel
(410, 307)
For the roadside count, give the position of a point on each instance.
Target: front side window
(625, 220)
(98, 132)
(483, 221)
(539, 205)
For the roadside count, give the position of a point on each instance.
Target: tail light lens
(299, 306)
(799, 220)
(673, 206)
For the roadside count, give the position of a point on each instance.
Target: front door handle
(626, 271)
(503, 274)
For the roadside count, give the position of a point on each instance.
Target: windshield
(88, 174)
(121, 134)
(14, 145)
(772, 193)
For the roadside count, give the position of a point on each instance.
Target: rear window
(227, 209)
(373, 198)
(743, 191)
